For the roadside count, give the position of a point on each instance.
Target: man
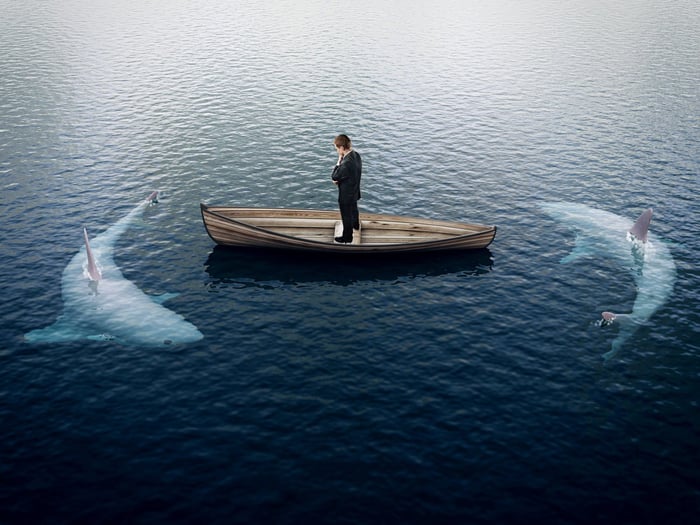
(346, 175)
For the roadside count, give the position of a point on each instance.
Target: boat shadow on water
(261, 267)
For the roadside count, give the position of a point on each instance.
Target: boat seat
(356, 234)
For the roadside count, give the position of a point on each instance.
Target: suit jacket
(348, 174)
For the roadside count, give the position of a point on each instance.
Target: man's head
(342, 143)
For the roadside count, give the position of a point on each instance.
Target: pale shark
(99, 303)
(648, 259)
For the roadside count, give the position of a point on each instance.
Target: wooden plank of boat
(315, 230)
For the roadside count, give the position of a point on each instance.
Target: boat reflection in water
(266, 267)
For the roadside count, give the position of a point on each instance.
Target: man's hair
(343, 141)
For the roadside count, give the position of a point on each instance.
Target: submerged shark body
(100, 304)
(648, 259)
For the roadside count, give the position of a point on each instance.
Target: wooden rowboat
(315, 230)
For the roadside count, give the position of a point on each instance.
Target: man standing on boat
(346, 175)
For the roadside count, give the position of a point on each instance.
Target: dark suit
(348, 174)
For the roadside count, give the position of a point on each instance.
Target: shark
(647, 258)
(99, 303)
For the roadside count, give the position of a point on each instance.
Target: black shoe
(355, 226)
(343, 241)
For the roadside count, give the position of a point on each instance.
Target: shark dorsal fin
(92, 269)
(641, 228)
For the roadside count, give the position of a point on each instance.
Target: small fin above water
(92, 269)
(641, 228)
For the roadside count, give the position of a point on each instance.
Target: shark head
(603, 234)
(100, 304)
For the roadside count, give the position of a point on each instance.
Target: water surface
(465, 387)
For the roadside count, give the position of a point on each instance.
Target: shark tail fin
(92, 269)
(611, 317)
(641, 228)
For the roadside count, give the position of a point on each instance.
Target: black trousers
(351, 218)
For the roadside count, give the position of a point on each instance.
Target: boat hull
(314, 230)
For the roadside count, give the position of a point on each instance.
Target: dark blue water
(465, 388)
